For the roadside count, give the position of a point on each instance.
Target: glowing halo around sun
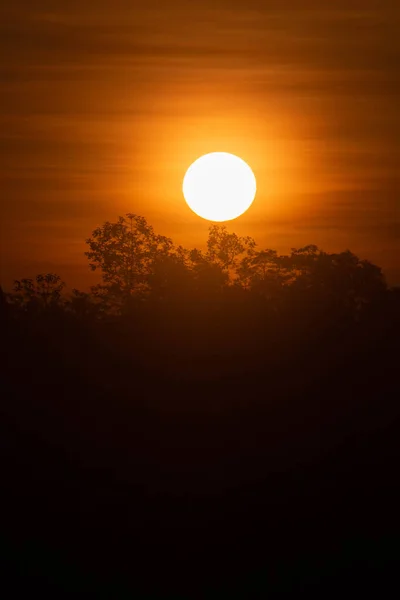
(219, 186)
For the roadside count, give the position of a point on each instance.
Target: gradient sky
(104, 104)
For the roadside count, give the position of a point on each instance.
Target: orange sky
(105, 104)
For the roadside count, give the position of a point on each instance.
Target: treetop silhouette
(137, 264)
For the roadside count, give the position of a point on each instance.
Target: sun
(219, 186)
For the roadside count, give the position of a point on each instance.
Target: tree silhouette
(171, 276)
(209, 277)
(224, 248)
(263, 272)
(136, 263)
(125, 252)
(41, 293)
(343, 274)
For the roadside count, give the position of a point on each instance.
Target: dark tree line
(138, 265)
(202, 423)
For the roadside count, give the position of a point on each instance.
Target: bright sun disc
(219, 186)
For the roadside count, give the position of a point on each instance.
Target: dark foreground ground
(202, 462)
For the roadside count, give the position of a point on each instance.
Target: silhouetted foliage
(40, 294)
(224, 248)
(218, 416)
(137, 263)
(126, 252)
